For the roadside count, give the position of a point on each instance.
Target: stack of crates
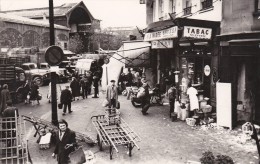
(112, 116)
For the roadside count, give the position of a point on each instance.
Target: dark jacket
(75, 88)
(65, 96)
(69, 137)
(34, 92)
(5, 96)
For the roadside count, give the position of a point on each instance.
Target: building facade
(183, 34)
(75, 16)
(239, 56)
(229, 55)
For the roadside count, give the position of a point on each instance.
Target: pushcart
(115, 134)
(41, 124)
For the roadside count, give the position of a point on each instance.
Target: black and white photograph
(129, 81)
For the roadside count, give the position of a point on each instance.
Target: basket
(112, 117)
(190, 121)
(206, 108)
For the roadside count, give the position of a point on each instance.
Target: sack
(105, 103)
(39, 97)
(141, 93)
(118, 105)
(124, 93)
(60, 105)
(77, 156)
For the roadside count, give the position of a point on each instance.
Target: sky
(113, 13)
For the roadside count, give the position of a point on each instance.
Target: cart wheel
(99, 143)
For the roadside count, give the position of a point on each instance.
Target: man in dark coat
(65, 143)
(96, 78)
(65, 99)
(75, 88)
(84, 86)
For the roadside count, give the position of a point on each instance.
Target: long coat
(75, 88)
(34, 92)
(66, 96)
(69, 137)
(109, 93)
(5, 96)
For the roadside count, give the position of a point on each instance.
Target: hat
(112, 81)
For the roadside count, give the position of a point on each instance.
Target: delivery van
(84, 65)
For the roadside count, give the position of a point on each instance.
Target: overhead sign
(163, 34)
(162, 44)
(54, 55)
(197, 32)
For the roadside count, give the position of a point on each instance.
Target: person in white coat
(194, 102)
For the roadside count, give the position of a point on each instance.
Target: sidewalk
(163, 141)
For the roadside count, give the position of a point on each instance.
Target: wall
(239, 12)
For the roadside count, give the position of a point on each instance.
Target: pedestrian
(129, 78)
(65, 99)
(75, 88)
(5, 97)
(194, 102)
(84, 86)
(112, 94)
(145, 99)
(89, 81)
(34, 93)
(65, 143)
(172, 97)
(96, 79)
(25, 91)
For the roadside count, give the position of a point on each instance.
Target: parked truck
(15, 78)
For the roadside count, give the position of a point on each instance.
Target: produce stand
(114, 134)
(40, 124)
(13, 146)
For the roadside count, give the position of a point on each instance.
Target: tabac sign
(163, 34)
(197, 32)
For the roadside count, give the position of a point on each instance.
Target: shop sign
(160, 44)
(163, 34)
(197, 32)
(207, 70)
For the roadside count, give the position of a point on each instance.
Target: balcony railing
(187, 11)
(206, 4)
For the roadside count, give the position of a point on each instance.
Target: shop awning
(160, 25)
(136, 53)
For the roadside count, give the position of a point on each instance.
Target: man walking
(112, 94)
(65, 99)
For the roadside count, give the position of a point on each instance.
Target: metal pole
(53, 74)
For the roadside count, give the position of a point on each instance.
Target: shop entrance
(196, 70)
(245, 77)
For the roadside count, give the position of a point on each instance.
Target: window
(187, 9)
(257, 8)
(206, 4)
(160, 9)
(172, 6)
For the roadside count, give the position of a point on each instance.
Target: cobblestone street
(163, 141)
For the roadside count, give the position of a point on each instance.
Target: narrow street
(162, 141)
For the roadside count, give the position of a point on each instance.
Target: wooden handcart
(13, 143)
(115, 134)
(41, 124)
